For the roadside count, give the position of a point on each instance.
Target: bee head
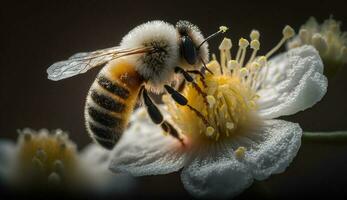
(193, 49)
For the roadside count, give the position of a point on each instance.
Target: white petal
(94, 155)
(273, 148)
(7, 155)
(295, 82)
(144, 150)
(216, 174)
(95, 161)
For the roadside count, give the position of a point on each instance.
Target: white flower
(49, 160)
(327, 38)
(235, 138)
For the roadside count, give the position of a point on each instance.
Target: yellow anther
(255, 44)
(304, 35)
(232, 64)
(226, 44)
(262, 60)
(223, 29)
(240, 152)
(209, 131)
(319, 43)
(255, 66)
(243, 43)
(244, 72)
(230, 125)
(288, 32)
(254, 35)
(211, 100)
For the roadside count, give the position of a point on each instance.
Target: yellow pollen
(240, 152)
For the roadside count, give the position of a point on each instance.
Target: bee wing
(82, 62)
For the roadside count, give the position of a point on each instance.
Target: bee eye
(188, 50)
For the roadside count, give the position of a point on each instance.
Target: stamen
(320, 43)
(287, 32)
(243, 43)
(255, 45)
(304, 35)
(225, 55)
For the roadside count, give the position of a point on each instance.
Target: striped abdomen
(110, 102)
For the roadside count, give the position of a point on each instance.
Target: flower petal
(295, 82)
(216, 174)
(7, 151)
(273, 148)
(144, 150)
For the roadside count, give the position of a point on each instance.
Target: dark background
(35, 34)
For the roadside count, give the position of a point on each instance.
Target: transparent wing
(82, 62)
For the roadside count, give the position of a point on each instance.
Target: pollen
(226, 102)
(240, 152)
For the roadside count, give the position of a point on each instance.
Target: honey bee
(147, 59)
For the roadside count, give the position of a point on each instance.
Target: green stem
(336, 136)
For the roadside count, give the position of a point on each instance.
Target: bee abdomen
(110, 101)
(105, 113)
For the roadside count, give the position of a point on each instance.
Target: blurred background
(36, 34)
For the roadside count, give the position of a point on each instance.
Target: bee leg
(190, 79)
(153, 111)
(157, 117)
(180, 99)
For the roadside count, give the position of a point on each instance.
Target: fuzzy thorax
(156, 67)
(228, 101)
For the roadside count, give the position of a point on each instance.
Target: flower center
(45, 158)
(224, 102)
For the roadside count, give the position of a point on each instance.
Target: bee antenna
(222, 29)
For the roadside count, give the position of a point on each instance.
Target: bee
(147, 59)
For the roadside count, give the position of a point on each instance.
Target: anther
(230, 125)
(54, 179)
(243, 43)
(58, 166)
(254, 35)
(319, 43)
(244, 72)
(209, 131)
(211, 101)
(225, 45)
(304, 35)
(255, 44)
(232, 64)
(288, 32)
(240, 152)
